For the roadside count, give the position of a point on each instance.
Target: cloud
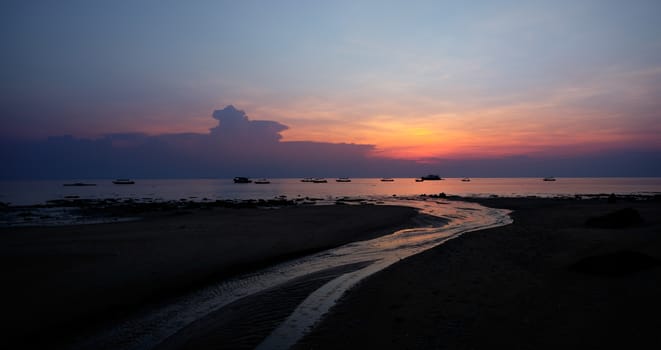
(234, 124)
(238, 146)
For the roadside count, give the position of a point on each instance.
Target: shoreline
(525, 285)
(68, 212)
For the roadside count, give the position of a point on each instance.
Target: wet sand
(548, 281)
(63, 282)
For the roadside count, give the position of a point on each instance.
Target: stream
(443, 220)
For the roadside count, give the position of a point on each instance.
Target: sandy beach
(62, 282)
(548, 281)
(564, 275)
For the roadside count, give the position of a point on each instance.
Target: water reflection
(384, 251)
(35, 192)
(445, 220)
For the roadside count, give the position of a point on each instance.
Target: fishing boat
(78, 184)
(262, 181)
(319, 181)
(419, 180)
(431, 177)
(466, 179)
(387, 179)
(123, 182)
(307, 179)
(242, 180)
(343, 179)
(550, 178)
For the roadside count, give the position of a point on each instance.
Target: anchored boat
(123, 182)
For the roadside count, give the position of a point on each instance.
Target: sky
(529, 86)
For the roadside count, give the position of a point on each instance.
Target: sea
(18, 193)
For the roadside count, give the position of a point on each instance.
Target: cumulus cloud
(236, 146)
(234, 124)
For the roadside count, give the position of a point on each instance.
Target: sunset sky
(416, 80)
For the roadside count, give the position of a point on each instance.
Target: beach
(554, 278)
(62, 282)
(548, 281)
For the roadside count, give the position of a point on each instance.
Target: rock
(612, 198)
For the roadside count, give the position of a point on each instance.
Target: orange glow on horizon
(495, 133)
(419, 133)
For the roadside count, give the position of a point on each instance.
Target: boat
(319, 181)
(550, 178)
(431, 177)
(466, 179)
(262, 181)
(307, 179)
(343, 179)
(387, 179)
(123, 182)
(78, 184)
(419, 180)
(242, 180)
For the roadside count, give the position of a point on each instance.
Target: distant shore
(568, 274)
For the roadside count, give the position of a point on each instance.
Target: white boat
(319, 181)
(262, 181)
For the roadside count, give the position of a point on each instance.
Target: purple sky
(357, 88)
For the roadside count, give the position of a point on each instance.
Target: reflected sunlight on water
(149, 329)
(35, 192)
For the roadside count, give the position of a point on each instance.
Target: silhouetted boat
(262, 181)
(307, 179)
(242, 180)
(419, 180)
(387, 179)
(123, 182)
(319, 181)
(466, 179)
(343, 179)
(431, 177)
(550, 178)
(79, 184)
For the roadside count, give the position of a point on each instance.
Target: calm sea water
(36, 192)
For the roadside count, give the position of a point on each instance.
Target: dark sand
(549, 281)
(59, 283)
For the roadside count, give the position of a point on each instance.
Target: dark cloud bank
(242, 147)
